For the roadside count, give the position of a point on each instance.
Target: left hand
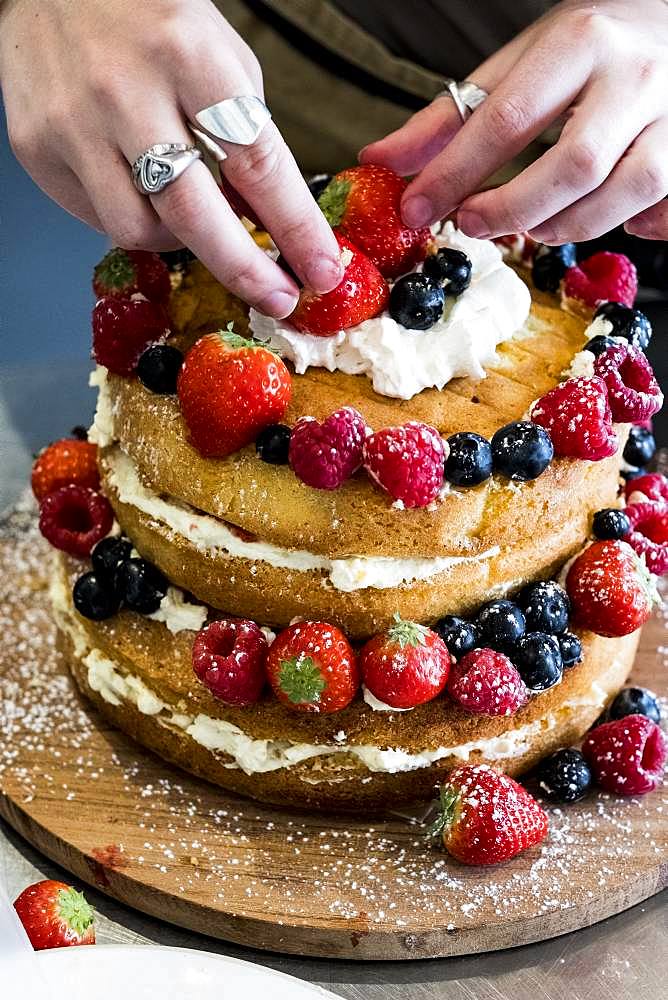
(605, 67)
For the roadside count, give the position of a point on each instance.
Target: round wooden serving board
(184, 851)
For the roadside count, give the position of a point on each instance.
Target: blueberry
(177, 260)
(416, 301)
(640, 447)
(95, 597)
(635, 701)
(632, 473)
(458, 635)
(546, 607)
(158, 368)
(597, 345)
(469, 460)
(450, 268)
(273, 444)
(79, 432)
(610, 523)
(501, 623)
(108, 554)
(283, 264)
(632, 324)
(570, 648)
(564, 776)
(538, 658)
(317, 184)
(550, 265)
(521, 450)
(141, 585)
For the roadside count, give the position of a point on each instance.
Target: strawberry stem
(407, 633)
(75, 911)
(301, 680)
(447, 807)
(333, 199)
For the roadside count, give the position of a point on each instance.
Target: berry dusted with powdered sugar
(546, 607)
(108, 554)
(487, 683)
(570, 648)
(123, 329)
(564, 776)
(54, 915)
(469, 460)
(272, 444)
(324, 455)
(311, 667)
(450, 268)
(627, 755)
(228, 657)
(610, 589)
(651, 485)
(633, 391)
(458, 635)
(416, 301)
(600, 278)
(95, 597)
(63, 463)
(610, 523)
(158, 369)
(538, 658)
(632, 324)
(140, 585)
(521, 450)
(122, 273)
(405, 666)
(74, 518)
(501, 623)
(407, 462)
(648, 533)
(640, 446)
(550, 265)
(634, 701)
(598, 344)
(577, 415)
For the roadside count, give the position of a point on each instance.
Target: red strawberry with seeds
(121, 273)
(649, 533)
(364, 203)
(405, 666)
(326, 455)
(228, 657)
(486, 682)
(66, 461)
(229, 389)
(54, 915)
(633, 391)
(75, 518)
(407, 462)
(123, 329)
(610, 589)
(361, 294)
(603, 277)
(312, 668)
(577, 415)
(486, 817)
(654, 486)
(627, 756)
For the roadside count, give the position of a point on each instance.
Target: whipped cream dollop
(402, 362)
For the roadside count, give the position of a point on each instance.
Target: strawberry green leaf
(449, 800)
(333, 200)
(407, 633)
(75, 911)
(115, 270)
(301, 680)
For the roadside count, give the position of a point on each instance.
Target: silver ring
(161, 164)
(466, 95)
(238, 120)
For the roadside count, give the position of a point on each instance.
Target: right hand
(89, 86)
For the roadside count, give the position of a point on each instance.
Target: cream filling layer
(209, 534)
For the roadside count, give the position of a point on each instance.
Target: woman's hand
(89, 86)
(603, 66)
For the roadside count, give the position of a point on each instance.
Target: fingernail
(323, 274)
(417, 211)
(278, 304)
(544, 234)
(361, 154)
(473, 224)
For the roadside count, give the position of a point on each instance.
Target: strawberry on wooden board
(364, 203)
(405, 666)
(610, 589)
(54, 915)
(230, 389)
(62, 463)
(361, 294)
(312, 668)
(486, 817)
(121, 273)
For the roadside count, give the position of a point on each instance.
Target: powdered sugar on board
(192, 854)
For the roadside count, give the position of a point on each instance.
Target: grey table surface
(623, 958)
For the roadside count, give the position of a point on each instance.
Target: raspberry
(649, 533)
(633, 391)
(123, 329)
(75, 518)
(577, 415)
(63, 462)
(653, 485)
(228, 658)
(407, 462)
(325, 455)
(602, 277)
(627, 755)
(486, 682)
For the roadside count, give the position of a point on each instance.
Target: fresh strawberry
(649, 533)
(312, 668)
(63, 462)
(627, 756)
(325, 455)
(486, 817)
(121, 273)
(230, 389)
(55, 915)
(486, 682)
(610, 588)
(633, 391)
(75, 518)
(577, 415)
(653, 485)
(364, 203)
(603, 277)
(228, 657)
(406, 665)
(361, 294)
(123, 329)
(407, 462)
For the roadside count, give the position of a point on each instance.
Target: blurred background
(46, 261)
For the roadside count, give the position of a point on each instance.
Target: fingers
(652, 224)
(408, 149)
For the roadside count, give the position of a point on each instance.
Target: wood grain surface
(187, 853)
